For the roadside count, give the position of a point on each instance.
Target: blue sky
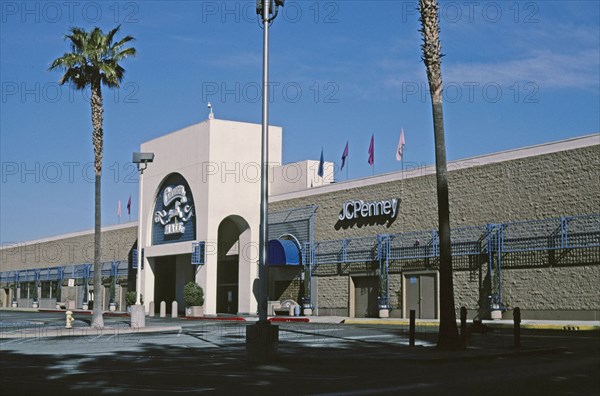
(515, 74)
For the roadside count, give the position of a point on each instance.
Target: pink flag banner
(372, 150)
(401, 143)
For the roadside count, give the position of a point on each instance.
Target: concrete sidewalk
(568, 325)
(561, 325)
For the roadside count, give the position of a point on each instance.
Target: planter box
(194, 311)
(384, 313)
(496, 314)
(112, 307)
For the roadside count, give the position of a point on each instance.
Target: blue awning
(283, 252)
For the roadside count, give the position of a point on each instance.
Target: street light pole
(264, 178)
(138, 313)
(262, 337)
(138, 282)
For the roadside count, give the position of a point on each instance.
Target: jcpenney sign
(354, 210)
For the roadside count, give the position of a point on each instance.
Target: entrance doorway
(420, 294)
(366, 291)
(227, 285)
(232, 236)
(165, 271)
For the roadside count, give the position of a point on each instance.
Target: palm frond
(111, 35)
(94, 58)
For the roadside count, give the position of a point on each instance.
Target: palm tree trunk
(448, 333)
(97, 110)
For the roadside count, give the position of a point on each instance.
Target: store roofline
(10, 245)
(485, 159)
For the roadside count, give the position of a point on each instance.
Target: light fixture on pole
(261, 338)
(138, 315)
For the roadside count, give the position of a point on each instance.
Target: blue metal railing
(491, 241)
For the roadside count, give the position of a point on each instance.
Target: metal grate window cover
(346, 250)
(106, 269)
(361, 249)
(328, 252)
(198, 253)
(551, 234)
(412, 245)
(297, 222)
(582, 231)
(122, 268)
(468, 241)
(27, 276)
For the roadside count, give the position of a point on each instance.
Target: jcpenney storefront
(525, 232)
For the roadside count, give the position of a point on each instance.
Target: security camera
(209, 106)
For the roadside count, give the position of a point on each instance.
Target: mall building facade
(525, 232)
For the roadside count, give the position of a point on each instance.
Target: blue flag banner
(320, 172)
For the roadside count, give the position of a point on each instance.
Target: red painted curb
(287, 320)
(231, 319)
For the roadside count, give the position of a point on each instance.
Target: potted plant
(130, 298)
(112, 306)
(193, 295)
(384, 307)
(36, 303)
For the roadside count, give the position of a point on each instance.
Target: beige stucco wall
(73, 249)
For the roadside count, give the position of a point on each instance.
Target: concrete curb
(490, 324)
(405, 322)
(46, 332)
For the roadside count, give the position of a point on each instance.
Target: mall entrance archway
(233, 243)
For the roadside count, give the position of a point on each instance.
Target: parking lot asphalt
(194, 357)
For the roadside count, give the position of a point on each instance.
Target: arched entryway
(233, 240)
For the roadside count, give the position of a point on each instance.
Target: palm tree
(94, 61)
(448, 335)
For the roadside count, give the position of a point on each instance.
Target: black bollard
(411, 329)
(463, 324)
(517, 327)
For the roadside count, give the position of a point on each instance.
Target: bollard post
(411, 329)
(174, 309)
(69, 320)
(163, 309)
(151, 309)
(463, 324)
(517, 327)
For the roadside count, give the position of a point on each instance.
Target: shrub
(193, 294)
(130, 297)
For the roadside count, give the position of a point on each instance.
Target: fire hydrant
(69, 320)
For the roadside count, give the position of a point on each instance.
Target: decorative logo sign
(179, 212)
(358, 209)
